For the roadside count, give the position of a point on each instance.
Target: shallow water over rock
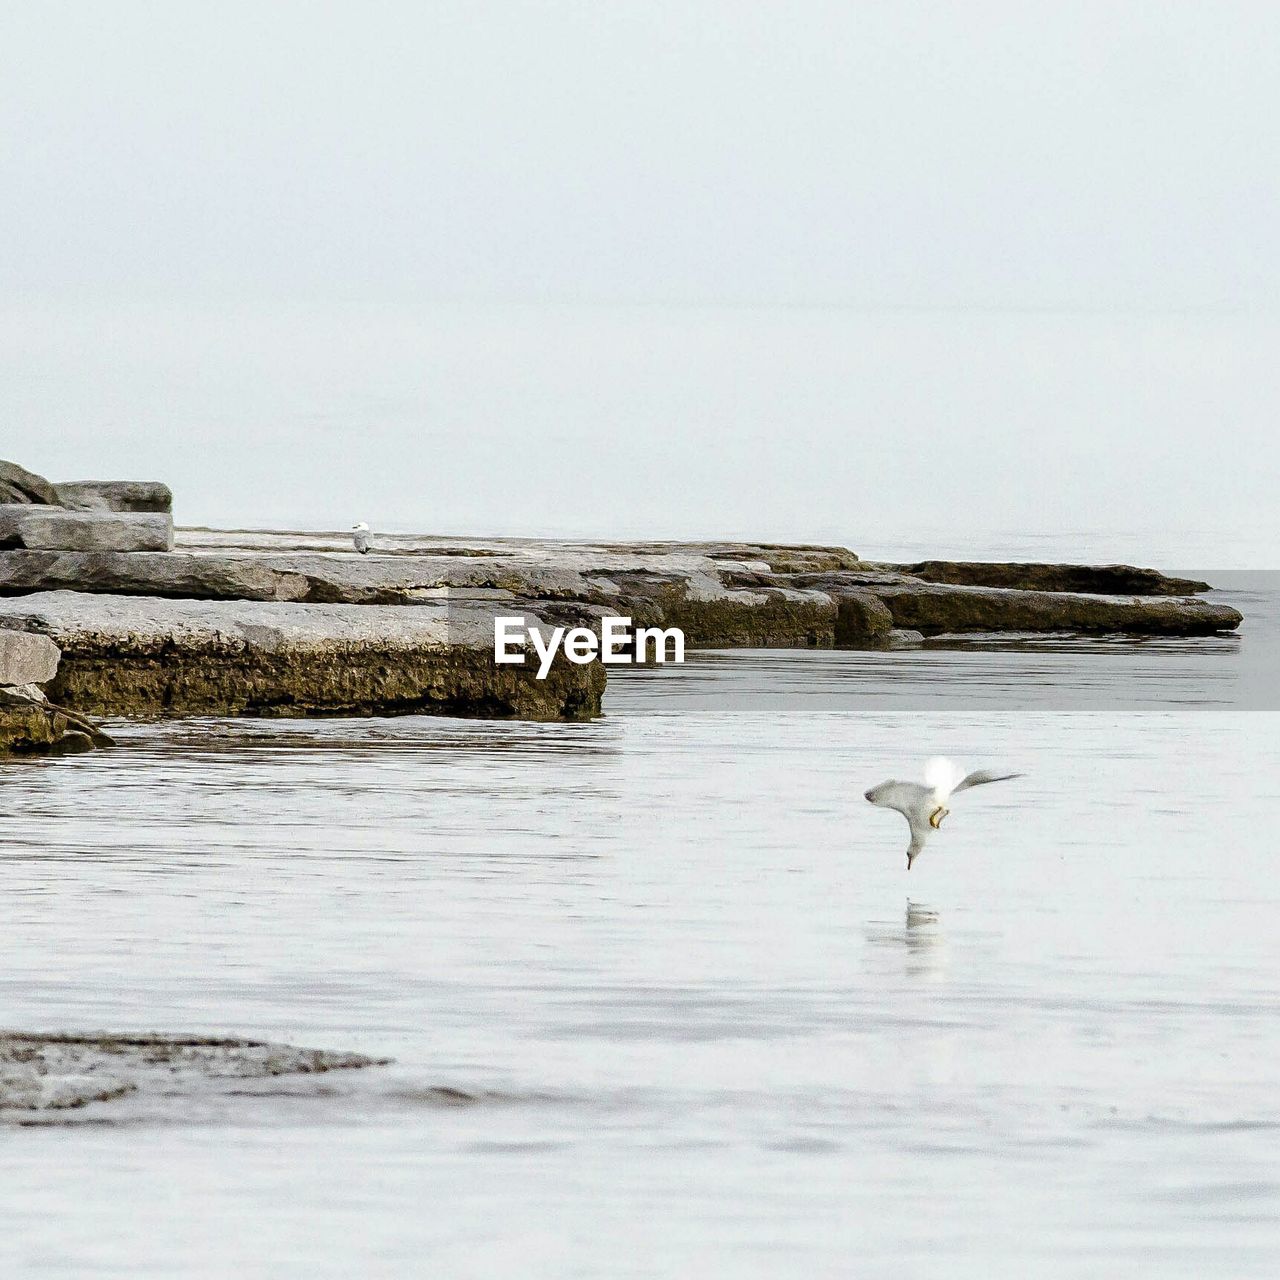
(61, 1072)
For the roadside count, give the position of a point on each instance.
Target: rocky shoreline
(158, 658)
(278, 623)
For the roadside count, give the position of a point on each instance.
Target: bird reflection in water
(919, 940)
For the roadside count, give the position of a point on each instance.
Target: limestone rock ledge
(40, 528)
(935, 609)
(149, 657)
(721, 595)
(1091, 579)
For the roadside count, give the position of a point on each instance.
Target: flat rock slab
(142, 622)
(579, 553)
(115, 495)
(176, 574)
(934, 609)
(305, 577)
(57, 1073)
(719, 594)
(1099, 579)
(686, 589)
(144, 656)
(57, 529)
(26, 658)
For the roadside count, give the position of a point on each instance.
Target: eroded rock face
(27, 723)
(115, 495)
(19, 485)
(861, 616)
(31, 724)
(713, 614)
(129, 655)
(43, 1073)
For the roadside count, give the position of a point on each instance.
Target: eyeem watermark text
(618, 644)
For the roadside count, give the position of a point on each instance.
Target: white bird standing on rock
(924, 805)
(360, 536)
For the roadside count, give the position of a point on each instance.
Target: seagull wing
(979, 777)
(915, 803)
(906, 797)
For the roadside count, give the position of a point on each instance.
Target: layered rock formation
(297, 624)
(721, 596)
(83, 515)
(58, 529)
(142, 656)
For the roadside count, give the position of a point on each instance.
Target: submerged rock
(27, 723)
(30, 723)
(900, 638)
(61, 1072)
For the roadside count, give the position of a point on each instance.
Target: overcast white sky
(1025, 154)
(248, 223)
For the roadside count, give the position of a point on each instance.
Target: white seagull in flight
(924, 805)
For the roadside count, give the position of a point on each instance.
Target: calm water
(704, 1021)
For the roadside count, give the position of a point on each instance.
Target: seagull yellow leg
(936, 817)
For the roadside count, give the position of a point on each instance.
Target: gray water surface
(662, 997)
